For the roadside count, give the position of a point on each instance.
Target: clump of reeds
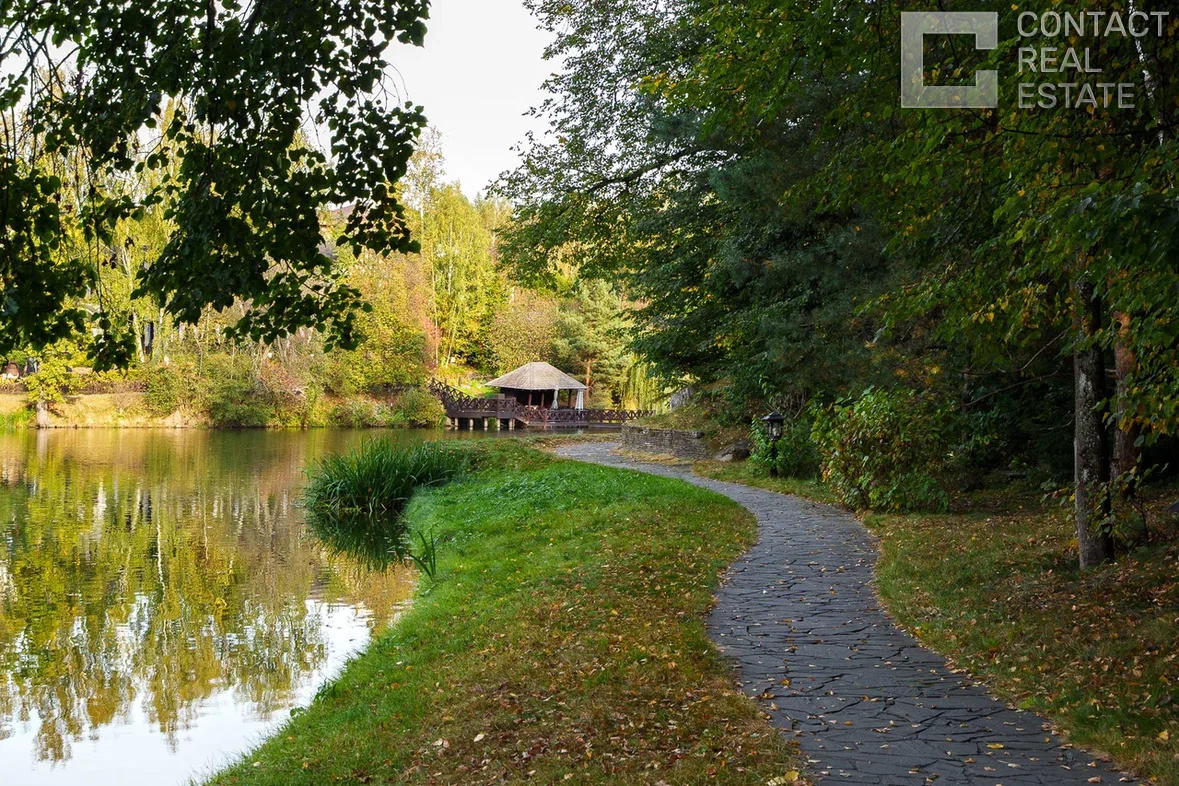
(355, 500)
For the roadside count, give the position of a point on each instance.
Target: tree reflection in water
(143, 573)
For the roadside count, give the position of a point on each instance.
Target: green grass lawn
(563, 642)
(751, 475)
(996, 588)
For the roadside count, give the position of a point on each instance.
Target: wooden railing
(460, 405)
(617, 415)
(455, 401)
(553, 416)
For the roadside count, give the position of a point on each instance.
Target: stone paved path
(867, 702)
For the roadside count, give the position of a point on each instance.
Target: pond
(162, 607)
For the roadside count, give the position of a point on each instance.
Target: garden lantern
(774, 422)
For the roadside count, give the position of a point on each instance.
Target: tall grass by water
(355, 500)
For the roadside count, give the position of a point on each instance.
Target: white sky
(479, 72)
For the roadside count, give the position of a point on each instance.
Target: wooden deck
(502, 412)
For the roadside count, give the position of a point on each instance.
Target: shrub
(342, 375)
(236, 398)
(53, 381)
(17, 419)
(355, 500)
(170, 388)
(357, 413)
(308, 408)
(798, 457)
(246, 411)
(289, 409)
(885, 450)
(418, 408)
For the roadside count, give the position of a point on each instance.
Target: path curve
(868, 704)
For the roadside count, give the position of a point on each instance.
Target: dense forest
(928, 294)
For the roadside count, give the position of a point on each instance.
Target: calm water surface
(162, 607)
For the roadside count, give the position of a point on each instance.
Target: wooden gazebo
(541, 385)
(530, 397)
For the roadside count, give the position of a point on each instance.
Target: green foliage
(740, 283)
(793, 236)
(165, 392)
(641, 387)
(457, 249)
(417, 408)
(17, 419)
(523, 330)
(449, 310)
(225, 89)
(393, 346)
(234, 396)
(343, 375)
(798, 456)
(427, 556)
(380, 476)
(355, 500)
(53, 380)
(410, 408)
(231, 392)
(591, 341)
(233, 407)
(884, 450)
(171, 388)
(357, 413)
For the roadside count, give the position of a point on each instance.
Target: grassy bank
(751, 475)
(562, 642)
(995, 587)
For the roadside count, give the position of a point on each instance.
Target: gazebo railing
(460, 405)
(549, 415)
(616, 415)
(454, 400)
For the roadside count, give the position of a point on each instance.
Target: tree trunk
(1126, 454)
(42, 418)
(1090, 442)
(138, 336)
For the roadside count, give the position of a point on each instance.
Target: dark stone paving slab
(869, 704)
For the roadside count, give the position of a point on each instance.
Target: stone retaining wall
(665, 441)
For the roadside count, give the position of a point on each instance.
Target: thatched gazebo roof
(536, 376)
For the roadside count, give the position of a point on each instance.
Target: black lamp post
(774, 422)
